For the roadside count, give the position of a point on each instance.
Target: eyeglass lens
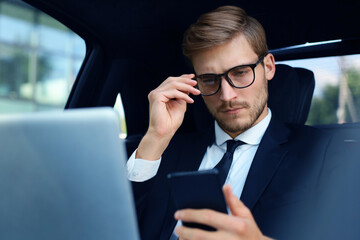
(240, 77)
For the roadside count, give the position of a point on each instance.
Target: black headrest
(290, 93)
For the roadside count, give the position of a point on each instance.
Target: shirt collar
(251, 136)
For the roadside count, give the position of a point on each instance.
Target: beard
(236, 123)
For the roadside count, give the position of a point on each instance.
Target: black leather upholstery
(290, 93)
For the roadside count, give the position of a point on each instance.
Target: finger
(186, 233)
(187, 78)
(176, 95)
(208, 217)
(190, 75)
(187, 87)
(237, 208)
(183, 83)
(184, 86)
(166, 95)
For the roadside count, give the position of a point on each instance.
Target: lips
(233, 107)
(232, 110)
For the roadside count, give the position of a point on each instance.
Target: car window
(39, 59)
(119, 108)
(337, 88)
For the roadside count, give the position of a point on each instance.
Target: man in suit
(275, 171)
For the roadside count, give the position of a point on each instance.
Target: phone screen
(197, 190)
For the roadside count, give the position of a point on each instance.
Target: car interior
(132, 46)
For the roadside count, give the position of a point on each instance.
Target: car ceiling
(145, 36)
(132, 26)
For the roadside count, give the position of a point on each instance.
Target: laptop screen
(63, 176)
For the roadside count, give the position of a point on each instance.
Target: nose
(227, 92)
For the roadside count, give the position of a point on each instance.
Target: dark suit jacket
(278, 190)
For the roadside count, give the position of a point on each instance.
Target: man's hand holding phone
(239, 225)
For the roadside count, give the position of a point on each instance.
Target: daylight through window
(39, 59)
(337, 88)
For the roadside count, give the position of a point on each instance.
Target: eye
(240, 72)
(207, 79)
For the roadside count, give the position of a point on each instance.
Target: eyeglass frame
(225, 74)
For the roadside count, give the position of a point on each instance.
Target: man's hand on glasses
(167, 109)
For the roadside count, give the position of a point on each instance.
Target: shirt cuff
(141, 170)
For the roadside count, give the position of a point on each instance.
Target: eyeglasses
(241, 76)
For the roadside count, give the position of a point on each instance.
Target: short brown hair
(220, 26)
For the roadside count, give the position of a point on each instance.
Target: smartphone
(197, 190)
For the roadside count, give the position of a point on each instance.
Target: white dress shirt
(140, 170)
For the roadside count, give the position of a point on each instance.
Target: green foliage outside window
(325, 108)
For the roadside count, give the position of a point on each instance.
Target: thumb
(237, 208)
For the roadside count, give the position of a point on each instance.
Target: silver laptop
(62, 176)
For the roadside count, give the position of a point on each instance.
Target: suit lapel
(189, 159)
(267, 159)
(190, 156)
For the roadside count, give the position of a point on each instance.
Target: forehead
(218, 59)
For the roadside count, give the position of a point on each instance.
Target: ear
(269, 65)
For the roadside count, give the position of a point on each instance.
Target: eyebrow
(213, 73)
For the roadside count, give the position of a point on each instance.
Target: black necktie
(225, 163)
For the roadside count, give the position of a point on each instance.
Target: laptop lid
(63, 176)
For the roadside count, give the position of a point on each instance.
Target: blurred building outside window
(39, 59)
